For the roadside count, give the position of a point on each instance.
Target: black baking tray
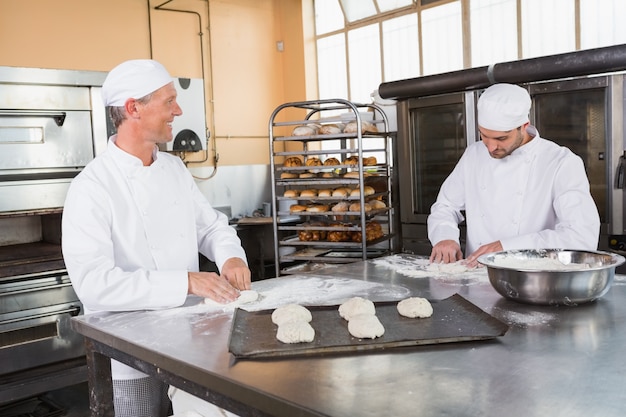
(454, 319)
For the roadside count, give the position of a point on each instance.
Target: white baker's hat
(133, 79)
(503, 107)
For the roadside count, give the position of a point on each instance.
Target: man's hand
(211, 285)
(472, 260)
(237, 273)
(446, 251)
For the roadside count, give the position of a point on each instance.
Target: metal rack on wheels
(310, 228)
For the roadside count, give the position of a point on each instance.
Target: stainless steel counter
(556, 361)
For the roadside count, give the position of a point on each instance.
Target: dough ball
(295, 332)
(415, 307)
(365, 326)
(247, 296)
(289, 313)
(355, 306)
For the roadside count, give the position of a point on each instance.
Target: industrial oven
(52, 123)
(586, 114)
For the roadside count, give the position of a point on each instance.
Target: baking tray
(454, 319)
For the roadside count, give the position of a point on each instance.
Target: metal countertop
(557, 361)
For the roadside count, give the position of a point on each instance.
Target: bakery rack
(297, 253)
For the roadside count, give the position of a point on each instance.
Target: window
(442, 42)
(331, 61)
(493, 26)
(602, 26)
(400, 48)
(362, 43)
(547, 27)
(364, 61)
(328, 16)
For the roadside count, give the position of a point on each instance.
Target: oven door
(433, 133)
(586, 115)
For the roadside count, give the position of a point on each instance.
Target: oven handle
(58, 116)
(73, 311)
(39, 288)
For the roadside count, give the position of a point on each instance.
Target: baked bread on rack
(293, 161)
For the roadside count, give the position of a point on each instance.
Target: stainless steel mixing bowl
(585, 275)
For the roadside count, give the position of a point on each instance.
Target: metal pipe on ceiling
(571, 64)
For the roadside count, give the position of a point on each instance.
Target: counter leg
(100, 382)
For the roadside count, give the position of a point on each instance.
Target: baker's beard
(503, 153)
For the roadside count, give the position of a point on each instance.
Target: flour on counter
(313, 291)
(422, 268)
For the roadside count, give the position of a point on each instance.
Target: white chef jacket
(130, 234)
(537, 197)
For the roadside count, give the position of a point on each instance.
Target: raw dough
(365, 326)
(415, 307)
(289, 313)
(356, 305)
(245, 297)
(295, 332)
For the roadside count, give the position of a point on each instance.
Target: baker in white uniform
(134, 222)
(518, 190)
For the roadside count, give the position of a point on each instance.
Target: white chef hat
(503, 107)
(133, 79)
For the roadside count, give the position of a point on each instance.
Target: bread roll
(331, 162)
(317, 208)
(313, 162)
(357, 207)
(355, 174)
(340, 207)
(340, 192)
(312, 235)
(307, 175)
(331, 129)
(296, 208)
(293, 161)
(377, 204)
(308, 193)
(339, 236)
(373, 230)
(370, 160)
(291, 193)
(307, 130)
(328, 175)
(288, 175)
(367, 190)
(325, 193)
(351, 161)
(365, 127)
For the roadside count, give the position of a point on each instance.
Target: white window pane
(548, 27)
(364, 56)
(442, 39)
(358, 9)
(400, 48)
(493, 25)
(386, 5)
(328, 16)
(331, 67)
(602, 26)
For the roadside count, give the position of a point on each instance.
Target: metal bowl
(583, 277)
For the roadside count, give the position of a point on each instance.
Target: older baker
(518, 190)
(134, 222)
